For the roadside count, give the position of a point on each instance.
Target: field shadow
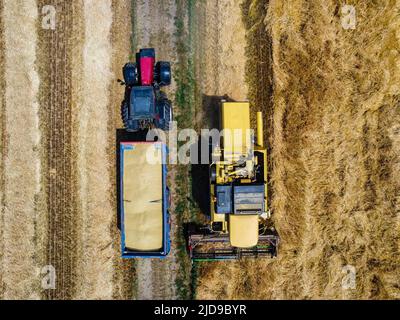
(200, 179)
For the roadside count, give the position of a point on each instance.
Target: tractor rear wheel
(129, 124)
(125, 113)
(166, 115)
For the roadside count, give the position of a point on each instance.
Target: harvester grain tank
(239, 224)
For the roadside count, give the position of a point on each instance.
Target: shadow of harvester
(200, 172)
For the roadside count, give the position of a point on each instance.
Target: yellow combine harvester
(239, 223)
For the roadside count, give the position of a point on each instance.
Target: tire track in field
(154, 27)
(55, 46)
(123, 278)
(143, 268)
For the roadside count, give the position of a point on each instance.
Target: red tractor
(145, 106)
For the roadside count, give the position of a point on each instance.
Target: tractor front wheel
(163, 73)
(130, 74)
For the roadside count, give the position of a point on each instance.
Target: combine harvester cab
(143, 195)
(144, 200)
(240, 223)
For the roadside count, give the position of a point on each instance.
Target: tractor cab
(142, 108)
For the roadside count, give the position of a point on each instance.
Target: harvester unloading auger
(239, 224)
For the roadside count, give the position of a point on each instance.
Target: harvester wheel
(191, 228)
